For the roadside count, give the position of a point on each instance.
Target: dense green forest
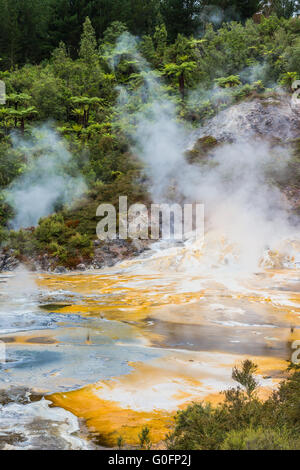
(31, 29)
(57, 64)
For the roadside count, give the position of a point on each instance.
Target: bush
(260, 439)
(49, 228)
(198, 427)
(79, 241)
(242, 421)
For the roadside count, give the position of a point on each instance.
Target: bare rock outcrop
(270, 118)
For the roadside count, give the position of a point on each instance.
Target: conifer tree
(88, 43)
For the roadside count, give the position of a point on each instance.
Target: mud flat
(120, 349)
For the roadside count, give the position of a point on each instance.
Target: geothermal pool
(104, 353)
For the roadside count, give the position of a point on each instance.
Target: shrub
(245, 377)
(242, 421)
(144, 437)
(260, 439)
(198, 427)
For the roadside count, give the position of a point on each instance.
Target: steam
(256, 72)
(217, 15)
(148, 116)
(201, 98)
(21, 284)
(51, 178)
(212, 14)
(241, 202)
(243, 205)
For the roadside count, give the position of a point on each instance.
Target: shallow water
(131, 344)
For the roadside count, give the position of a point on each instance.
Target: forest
(32, 29)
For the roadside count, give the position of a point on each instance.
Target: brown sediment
(25, 339)
(108, 421)
(41, 340)
(9, 339)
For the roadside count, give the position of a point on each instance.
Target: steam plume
(242, 203)
(51, 178)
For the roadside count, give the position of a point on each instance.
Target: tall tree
(88, 43)
(232, 9)
(285, 8)
(67, 18)
(160, 39)
(181, 16)
(180, 71)
(139, 15)
(23, 30)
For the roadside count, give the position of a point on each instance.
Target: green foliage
(32, 29)
(120, 442)
(144, 438)
(50, 229)
(57, 65)
(288, 79)
(260, 439)
(88, 43)
(201, 149)
(281, 8)
(49, 96)
(292, 56)
(228, 82)
(180, 17)
(85, 104)
(245, 376)
(113, 32)
(242, 422)
(198, 427)
(288, 400)
(181, 71)
(20, 115)
(23, 26)
(76, 87)
(11, 164)
(160, 40)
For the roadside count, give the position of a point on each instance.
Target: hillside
(67, 133)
